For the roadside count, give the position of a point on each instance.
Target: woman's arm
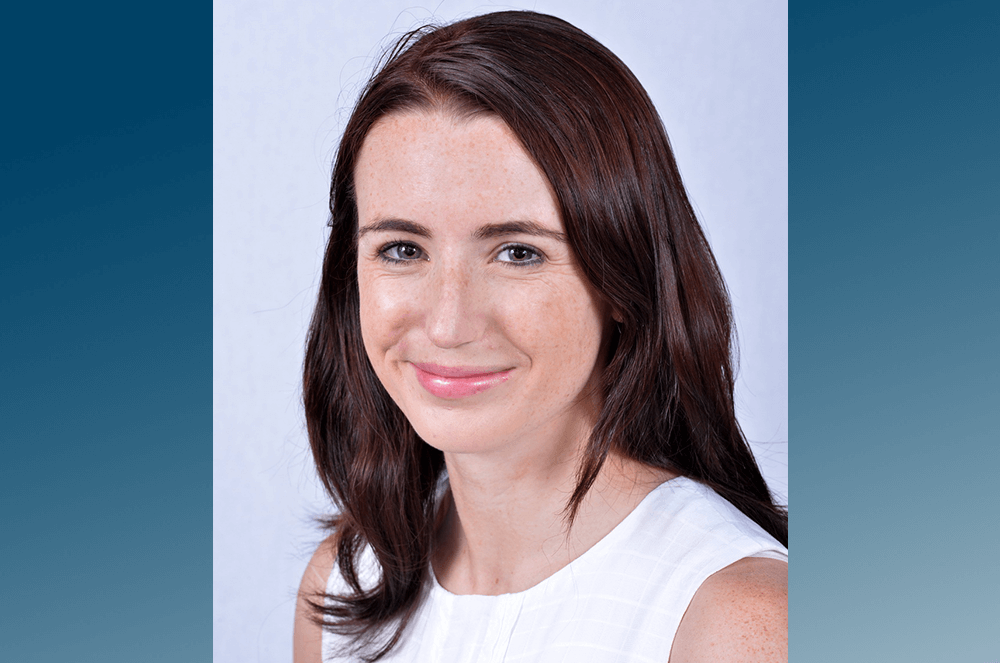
(308, 635)
(738, 615)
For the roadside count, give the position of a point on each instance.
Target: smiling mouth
(459, 381)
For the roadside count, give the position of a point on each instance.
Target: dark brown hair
(668, 386)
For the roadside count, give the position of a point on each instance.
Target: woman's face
(474, 312)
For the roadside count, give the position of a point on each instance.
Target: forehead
(434, 164)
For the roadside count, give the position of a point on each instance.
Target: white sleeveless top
(622, 600)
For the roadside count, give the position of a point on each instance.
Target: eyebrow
(395, 225)
(487, 231)
(517, 228)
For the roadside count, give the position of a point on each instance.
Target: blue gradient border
(105, 237)
(893, 268)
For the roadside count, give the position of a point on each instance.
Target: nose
(456, 310)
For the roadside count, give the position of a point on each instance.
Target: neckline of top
(595, 550)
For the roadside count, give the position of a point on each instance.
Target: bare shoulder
(738, 615)
(308, 635)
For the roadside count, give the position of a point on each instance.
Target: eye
(518, 254)
(401, 252)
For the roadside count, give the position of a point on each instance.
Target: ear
(616, 316)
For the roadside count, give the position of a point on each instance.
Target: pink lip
(454, 382)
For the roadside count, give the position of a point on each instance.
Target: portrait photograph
(286, 82)
(481, 331)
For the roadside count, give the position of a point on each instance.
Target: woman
(518, 382)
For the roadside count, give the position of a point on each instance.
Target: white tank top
(622, 600)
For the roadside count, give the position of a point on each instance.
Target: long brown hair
(668, 386)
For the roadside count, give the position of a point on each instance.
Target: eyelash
(383, 254)
(537, 260)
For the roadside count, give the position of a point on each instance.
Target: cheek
(384, 312)
(577, 333)
(561, 332)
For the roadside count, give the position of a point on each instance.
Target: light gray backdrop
(285, 77)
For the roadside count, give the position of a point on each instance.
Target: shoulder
(738, 615)
(308, 634)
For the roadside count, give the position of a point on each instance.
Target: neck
(506, 530)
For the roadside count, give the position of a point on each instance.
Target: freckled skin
(463, 301)
(739, 615)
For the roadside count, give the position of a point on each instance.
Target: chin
(458, 432)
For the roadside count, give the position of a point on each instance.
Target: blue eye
(518, 254)
(401, 252)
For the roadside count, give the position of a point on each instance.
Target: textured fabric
(622, 600)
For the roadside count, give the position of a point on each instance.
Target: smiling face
(474, 312)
